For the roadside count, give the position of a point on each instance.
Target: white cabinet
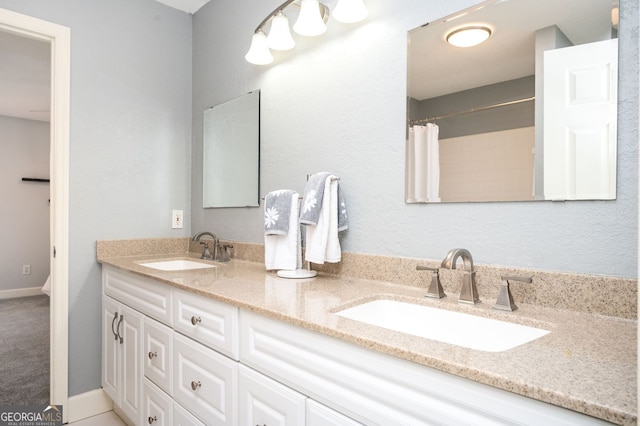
(263, 401)
(204, 381)
(378, 389)
(122, 357)
(158, 354)
(321, 415)
(182, 417)
(158, 410)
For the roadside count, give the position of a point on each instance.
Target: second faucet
(469, 290)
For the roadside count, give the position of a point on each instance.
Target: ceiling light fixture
(468, 36)
(311, 21)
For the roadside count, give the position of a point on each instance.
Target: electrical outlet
(26, 269)
(176, 219)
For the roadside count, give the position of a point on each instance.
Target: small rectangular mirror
(231, 153)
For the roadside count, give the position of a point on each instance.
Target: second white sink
(456, 328)
(176, 265)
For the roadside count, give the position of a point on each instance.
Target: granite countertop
(588, 362)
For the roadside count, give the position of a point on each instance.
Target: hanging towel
(284, 251)
(322, 243)
(277, 209)
(312, 199)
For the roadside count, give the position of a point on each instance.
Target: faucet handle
(435, 290)
(505, 298)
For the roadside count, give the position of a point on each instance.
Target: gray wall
(130, 141)
(338, 103)
(24, 152)
(481, 121)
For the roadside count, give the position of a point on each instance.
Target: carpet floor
(24, 350)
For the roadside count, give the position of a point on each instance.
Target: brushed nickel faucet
(206, 254)
(469, 291)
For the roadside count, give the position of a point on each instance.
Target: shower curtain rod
(470, 110)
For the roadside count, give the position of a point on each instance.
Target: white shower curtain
(423, 164)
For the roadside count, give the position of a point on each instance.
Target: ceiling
(438, 68)
(25, 74)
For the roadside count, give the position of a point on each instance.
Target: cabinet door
(321, 415)
(263, 401)
(157, 353)
(157, 406)
(110, 348)
(131, 366)
(204, 381)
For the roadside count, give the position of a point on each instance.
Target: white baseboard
(87, 404)
(21, 292)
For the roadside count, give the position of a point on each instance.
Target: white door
(110, 348)
(131, 365)
(580, 118)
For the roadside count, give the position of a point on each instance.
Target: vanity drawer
(208, 321)
(181, 417)
(157, 406)
(158, 353)
(147, 296)
(204, 381)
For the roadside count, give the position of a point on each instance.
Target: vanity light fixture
(468, 36)
(311, 22)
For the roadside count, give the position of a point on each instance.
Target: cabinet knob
(195, 320)
(152, 419)
(152, 355)
(195, 385)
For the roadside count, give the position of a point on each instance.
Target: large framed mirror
(231, 153)
(528, 114)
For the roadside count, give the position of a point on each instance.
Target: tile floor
(105, 419)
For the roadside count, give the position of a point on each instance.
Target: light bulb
(259, 52)
(350, 11)
(310, 22)
(279, 37)
(468, 36)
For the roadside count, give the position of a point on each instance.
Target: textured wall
(338, 104)
(129, 142)
(24, 152)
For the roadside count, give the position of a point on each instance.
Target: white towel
(322, 243)
(283, 251)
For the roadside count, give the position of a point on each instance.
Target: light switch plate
(176, 219)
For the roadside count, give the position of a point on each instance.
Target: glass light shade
(468, 36)
(279, 37)
(310, 22)
(350, 11)
(259, 52)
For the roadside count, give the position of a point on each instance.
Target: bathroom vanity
(233, 344)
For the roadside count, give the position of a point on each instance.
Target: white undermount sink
(176, 265)
(456, 328)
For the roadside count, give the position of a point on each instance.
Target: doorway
(60, 42)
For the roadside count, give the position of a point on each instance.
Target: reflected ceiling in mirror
(484, 121)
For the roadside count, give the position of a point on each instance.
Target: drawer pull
(195, 320)
(195, 385)
(152, 419)
(152, 355)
